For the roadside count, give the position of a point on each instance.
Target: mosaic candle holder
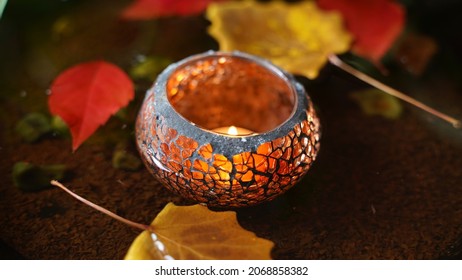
(227, 129)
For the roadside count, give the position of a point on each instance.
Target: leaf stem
(101, 209)
(335, 60)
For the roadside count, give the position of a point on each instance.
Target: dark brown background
(380, 189)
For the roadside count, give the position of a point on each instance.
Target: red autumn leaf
(86, 95)
(149, 9)
(374, 23)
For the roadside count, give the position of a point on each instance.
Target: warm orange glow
(232, 130)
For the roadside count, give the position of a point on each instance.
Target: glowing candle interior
(233, 130)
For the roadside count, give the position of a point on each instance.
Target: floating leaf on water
(195, 232)
(30, 177)
(33, 126)
(86, 95)
(376, 102)
(298, 36)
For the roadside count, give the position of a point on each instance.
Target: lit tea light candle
(233, 130)
(186, 141)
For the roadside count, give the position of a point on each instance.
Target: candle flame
(232, 130)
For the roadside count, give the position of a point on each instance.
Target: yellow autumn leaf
(296, 36)
(195, 232)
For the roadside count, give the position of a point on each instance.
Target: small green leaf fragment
(30, 177)
(59, 127)
(126, 161)
(149, 67)
(376, 102)
(33, 126)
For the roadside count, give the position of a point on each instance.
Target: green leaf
(33, 126)
(59, 127)
(29, 177)
(149, 67)
(376, 102)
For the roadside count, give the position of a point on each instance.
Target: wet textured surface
(379, 189)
